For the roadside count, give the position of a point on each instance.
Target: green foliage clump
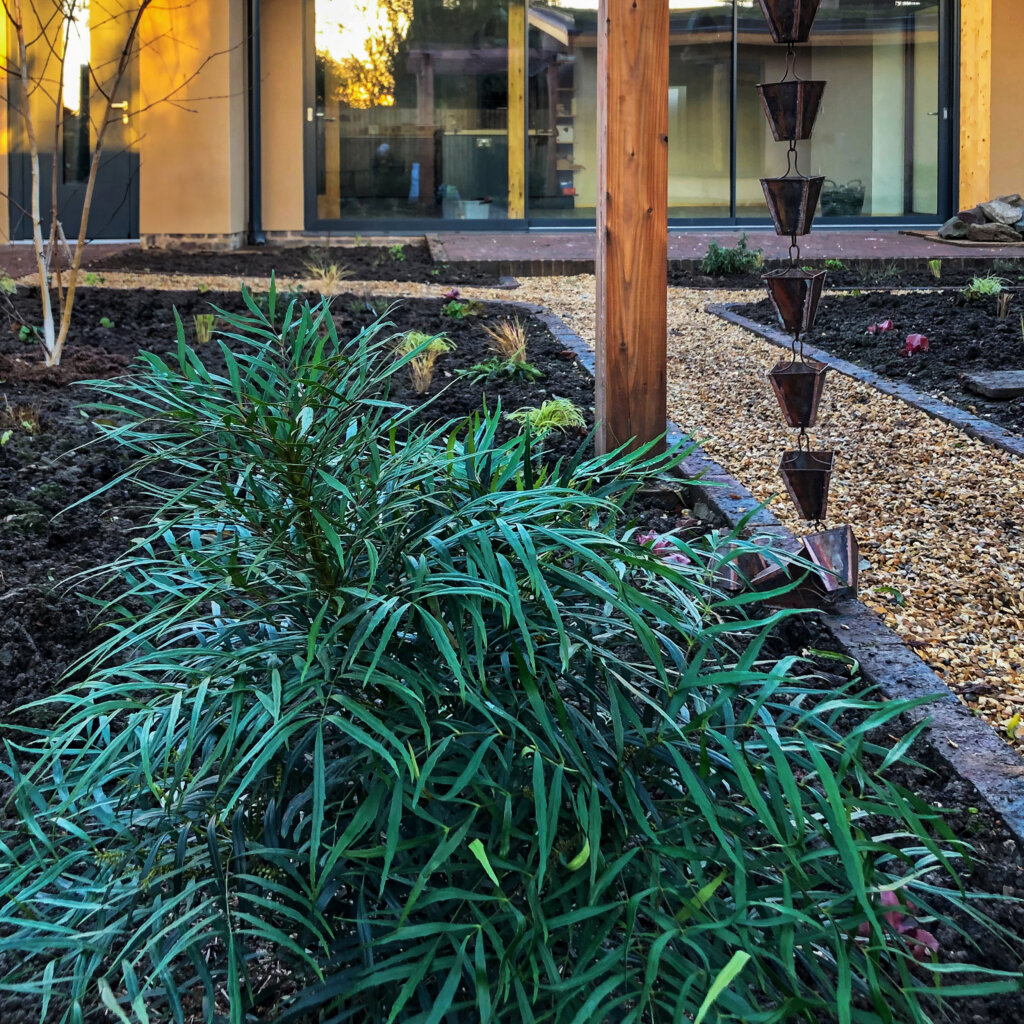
(834, 264)
(508, 340)
(554, 414)
(396, 714)
(979, 288)
(740, 259)
(422, 352)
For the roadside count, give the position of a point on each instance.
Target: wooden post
(975, 102)
(516, 111)
(632, 220)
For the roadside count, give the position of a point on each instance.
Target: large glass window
(412, 108)
(876, 139)
(487, 109)
(563, 108)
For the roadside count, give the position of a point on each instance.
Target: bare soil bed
(400, 262)
(47, 625)
(963, 337)
(879, 275)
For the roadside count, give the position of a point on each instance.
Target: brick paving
(867, 244)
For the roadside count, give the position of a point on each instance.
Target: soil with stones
(400, 262)
(877, 275)
(963, 337)
(44, 468)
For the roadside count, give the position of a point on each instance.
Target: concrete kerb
(970, 424)
(958, 738)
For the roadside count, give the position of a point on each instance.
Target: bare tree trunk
(48, 341)
(123, 61)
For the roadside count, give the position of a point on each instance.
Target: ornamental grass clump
(422, 353)
(394, 724)
(555, 414)
(508, 341)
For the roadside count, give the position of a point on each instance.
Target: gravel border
(975, 426)
(966, 743)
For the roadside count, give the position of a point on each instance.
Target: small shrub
(397, 253)
(554, 414)
(422, 353)
(203, 326)
(834, 264)
(740, 259)
(979, 288)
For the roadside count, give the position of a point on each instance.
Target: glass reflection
(412, 108)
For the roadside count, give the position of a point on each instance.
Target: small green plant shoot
(203, 324)
(935, 266)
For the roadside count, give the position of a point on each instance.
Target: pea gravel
(938, 514)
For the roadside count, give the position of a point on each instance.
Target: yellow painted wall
(192, 179)
(281, 56)
(1007, 153)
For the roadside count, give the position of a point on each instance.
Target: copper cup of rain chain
(740, 570)
(789, 21)
(798, 387)
(791, 108)
(808, 593)
(837, 554)
(792, 202)
(795, 294)
(807, 476)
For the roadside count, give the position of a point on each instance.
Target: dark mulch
(963, 337)
(400, 262)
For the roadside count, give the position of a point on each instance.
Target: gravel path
(937, 513)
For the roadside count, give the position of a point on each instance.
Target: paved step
(997, 384)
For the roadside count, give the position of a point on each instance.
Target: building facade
(244, 118)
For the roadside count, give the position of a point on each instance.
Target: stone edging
(975, 426)
(964, 742)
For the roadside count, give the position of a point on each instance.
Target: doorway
(90, 42)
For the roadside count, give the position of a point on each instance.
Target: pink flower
(452, 294)
(662, 548)
(915, 343)
(923, 943)
(881, 327)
